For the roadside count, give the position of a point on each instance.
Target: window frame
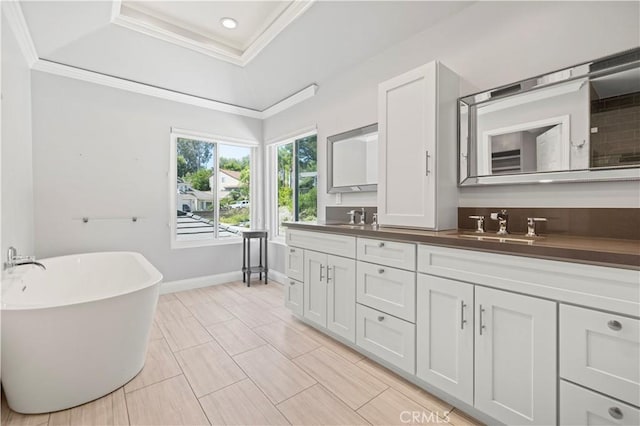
(272, 178)
(254, 169)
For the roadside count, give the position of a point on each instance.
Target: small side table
(262, 267)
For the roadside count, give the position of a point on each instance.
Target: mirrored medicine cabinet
(352, 164)
(577, 124)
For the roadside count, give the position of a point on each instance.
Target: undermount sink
(499, 238)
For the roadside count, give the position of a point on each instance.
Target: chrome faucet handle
(503, 221)
(352, 217)
(363, 216)
(479, 223)
(531, 225)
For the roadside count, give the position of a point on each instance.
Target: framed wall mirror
(352, 160)
(577, 124)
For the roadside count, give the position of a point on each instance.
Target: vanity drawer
(579, 406)
(294, 296)
(339, 245)
(388, 253)
(390, 338)
(294, 260)
(387, 289)
(601, 351)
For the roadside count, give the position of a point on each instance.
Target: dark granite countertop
(610, 252)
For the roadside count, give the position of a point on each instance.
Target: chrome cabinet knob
(616, 413)
(614, 325)
(380, 244)
(380, 318)
(381, 271)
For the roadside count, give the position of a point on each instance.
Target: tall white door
(406, 151)
(515, 357)
(315, 287)
(445, 335)
(341, 294)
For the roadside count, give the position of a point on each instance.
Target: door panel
(341, 292)
(315, 287)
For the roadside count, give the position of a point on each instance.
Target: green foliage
(182, 166)
(196, 154)
(308, 204)
(199, 179)
(235, 216)
(234, 164)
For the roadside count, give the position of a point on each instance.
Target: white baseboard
(209, 280)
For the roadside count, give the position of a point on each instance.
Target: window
(296, 191)
(210, 184)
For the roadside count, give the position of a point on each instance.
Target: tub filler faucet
(13, 260)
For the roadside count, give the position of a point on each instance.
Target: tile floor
(234, 355)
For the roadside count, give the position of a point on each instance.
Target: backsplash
(339, 214)
(623, 223)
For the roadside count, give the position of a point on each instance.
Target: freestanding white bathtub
(78, 330)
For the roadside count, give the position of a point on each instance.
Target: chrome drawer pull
(380, 245)
(616, 413)
(380, 318)
(321, 276)
(462, 320)
(381, 271)
(292, 283)
(481, 325)
(292, 250)
(615, 325)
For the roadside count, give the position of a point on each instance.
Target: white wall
(17, 181)
(102, 152)
(488, 44)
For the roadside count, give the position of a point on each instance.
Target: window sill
(177, 245)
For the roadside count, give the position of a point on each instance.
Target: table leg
(244, 260)
(266, 260)
(260, 256)
(249, 262)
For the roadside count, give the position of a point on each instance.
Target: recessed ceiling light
(229, 23)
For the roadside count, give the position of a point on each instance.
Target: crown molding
(158, 92)
(13, 12)
(135, 87)
(304, 94)
(141, 22)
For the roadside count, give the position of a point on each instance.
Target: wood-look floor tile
(193, 296)
(285, 314)
(166, 297)
(393, 408)
(184, 333)
(225, 297)
(17, 419)
(170, 311)
(170, 402)
(335, 346)
(108, 410)
(210, 313)
(274, 374)
(266, 299)
(235, 337)
(460, 418)
(208, 368)
(252, 314)
(316, 406)
(410, 390)
(241, 404)
(286, 339)
(352, 385)
(159, 365)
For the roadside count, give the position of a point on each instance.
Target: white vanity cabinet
(582, 407)
(515, 357)
(416, 146)
(294, 296)
(444, 328)
(294, 262)
(328, 294)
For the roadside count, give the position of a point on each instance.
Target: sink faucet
(363, 216)
(374, 222)
(352, 216)
(13, 260)
(503, 222)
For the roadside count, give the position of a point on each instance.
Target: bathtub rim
(156, 278)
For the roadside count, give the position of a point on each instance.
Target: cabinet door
(315, 287)
(341, 293)
(406, 154)
(445, 335)
(515, 357)
(294, 260)
(294, 296)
